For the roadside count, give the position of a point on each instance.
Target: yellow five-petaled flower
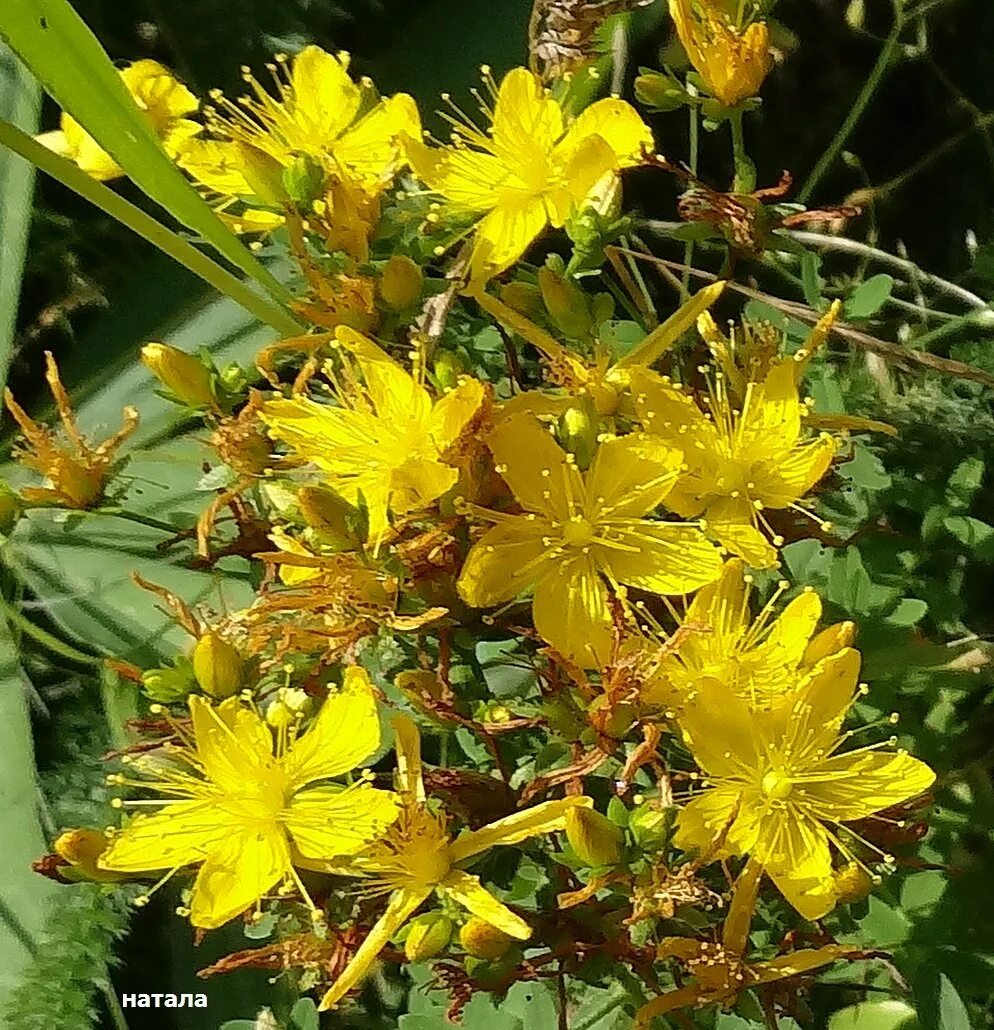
(582, 536)
(240, 801)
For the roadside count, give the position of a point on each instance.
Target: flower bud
(565, 302)
(448, 368)
(331, 516)
(182, 374)
(303, 179)
(11, 508)
(429, 935)
(852, 883)
(81, 848)
(169, 684)
(649, 825)
(523, 298)
(401, 283)
(594, 838)
(659, 92)
(218, 666)
(482, 940)
(577, 431)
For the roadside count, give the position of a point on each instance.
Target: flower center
(578, 532)
(776, 785)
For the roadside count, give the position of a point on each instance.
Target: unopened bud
(659, 92)
(218, 666)
(331, 516)
(852, 883)
(594, 838)
(482, 940)
(828, 642)
(169, 684)
(401, 283)
(577, 431)
(523, 298)
(303, 179)
(182, 374)
(82, 848)
(650, 825)
(448, 368)
(565, 302)
(429, 935)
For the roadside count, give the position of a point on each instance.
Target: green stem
(828, 158)
(141, 520)
(695, 149)
(17, 929)
(114, 1010)
(148, 228)
(47, 640)
(745, 170)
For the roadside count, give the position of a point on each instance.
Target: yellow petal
(402, 905)
(662, 557)
(227, 754)
(828, 642)
(527, 122)
(452, 414)
(630, 477)
(237, 873)
(55, 141)
(505, 234)
(326, 822)
(158, 91)
(618, 124)
(798, 861)
(466, 178)
(669, 413)
(216, 165)
(588, 178)
(467, 890)
(788, 636)
(345, 732)
(780, 483)
(798, 962)
(571, 612)
(770, 423)
(534, 466)
(826, 694)
(325, 99)
(371, 149)
(504, 563)
(721, 731)
(395, 394)
(722, 605)
(407, 744)
(705, 818)
(730, 520)
(180, 835)
(855, 786)
(512, 829)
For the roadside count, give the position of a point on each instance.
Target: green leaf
(940, 1005)
(304, 1015)
(976, 535)
(869, 297)
(74, 69)
(873, 1015)
(909, 612)
(964, 483)
(811, 278)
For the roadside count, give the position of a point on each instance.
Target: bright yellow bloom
(779, 790)
(759, 659)
(742, 456)
(240, 801)
(582, 536)
(387, 441)
(530, 169)
(317, 113)
(163, 99)
(604, 379)
(416, 857)
(78, 472)
(732, 61)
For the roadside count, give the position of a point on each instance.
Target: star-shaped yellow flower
(238, 800)
(731, 59)
(386, 440)
(582, 536)
(742, 456)
(778, 788)
(416, 857)
(761, 660)
(531, 169)
(163, 99)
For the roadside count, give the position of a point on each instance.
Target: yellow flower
(779, 790)
(530, 169)
(416, 857)
(164, 101)
(387, 441)
(759, 659)
(604, 379)
(317, 113)
(731, 60)
(742, 456)
(77, 471)
(581, 534)
(241, 801)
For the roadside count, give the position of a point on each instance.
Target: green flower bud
(447, 368)
(182, 374)
(659, 92)
(565, 302)
(482, 940)
(303, 179)
(167, 684)
(218, 666)
(577, 431)
(650, 825)
(594, 838)
(429, 935)
(401, 283)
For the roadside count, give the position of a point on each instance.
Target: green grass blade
(147, 227)
(20, 101)
(73, 67)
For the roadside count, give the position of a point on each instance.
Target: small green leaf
(976, 535)
(870, 297)
(304, 1015)
(909, 612)
(964, 483)
(873, 1015)
(811, 278)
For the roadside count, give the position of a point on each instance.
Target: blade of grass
(147, 227)
(72, 66)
